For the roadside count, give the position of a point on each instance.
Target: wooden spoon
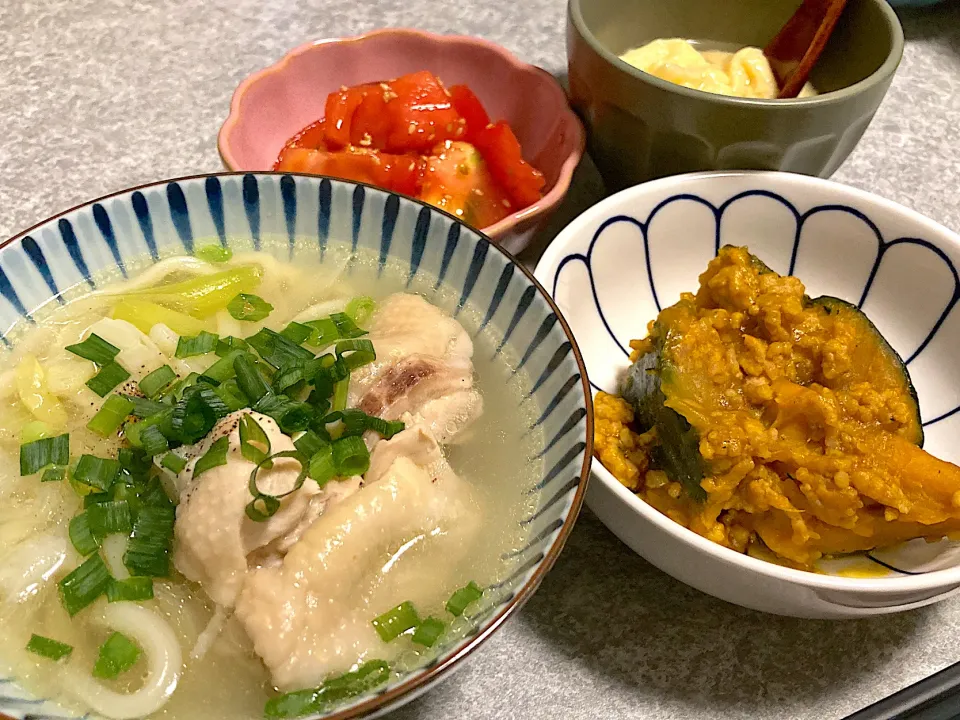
(796, 48)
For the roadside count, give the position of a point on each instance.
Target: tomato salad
(411, 135)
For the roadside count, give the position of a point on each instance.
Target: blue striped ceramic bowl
(615, 267)
(298, 216)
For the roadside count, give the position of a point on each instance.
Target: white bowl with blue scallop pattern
(294, 216)
(618, 264)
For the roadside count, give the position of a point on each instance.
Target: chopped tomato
(501, 149)
(398, 173)
(312, 136)
(470, 109)
(457, 180)
(410, 135)
(409, 114)
(421, 114)
(340, 107)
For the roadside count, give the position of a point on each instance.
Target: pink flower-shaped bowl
(273, 104)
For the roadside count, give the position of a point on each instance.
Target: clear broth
(230, 681)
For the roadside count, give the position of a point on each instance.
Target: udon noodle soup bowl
(396, 244)
(640, 127)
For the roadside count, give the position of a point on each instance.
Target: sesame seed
(506, 203)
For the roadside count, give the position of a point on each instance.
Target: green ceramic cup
(641, 127)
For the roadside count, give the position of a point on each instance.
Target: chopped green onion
(254, 442)
(110, 416)
(155, 496)
(297, 332)
(182, 386)
(428, 632)
(290, 375)
(96, 472)
(323, 333)
(277, 350)
(249, 379)
(54, 473)
(200, 344)
(213, 253)
(34, 430)
(117, 655)
(148, 551)
(152, 441)
(350, 456)
(96, 498)
(95, 348)
(361, 353)
(346, 327)
(132, 589)
(174, 463)
(125, 492)
(214, 457)
(155, 382)
(228, 344)
(36, 455)
(111, 517)
(222, 370)
(340, 394)
(356, 422)
(320, 402)
(134, 462)
(194, 416)
(251, 308)
(332, 370)
(84, 584)
(310, 443)
(232, 395)
(393, 623)
(365, 678)
(360, 308)
(81, 536)
(463, 597)
(386, 428)
(144, 408)
(291, 415)
(322, 468)
(110, 375)
(48, 648)
(271, 503)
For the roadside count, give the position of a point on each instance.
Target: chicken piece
(430, 388)
(417, 444)
(401, 537)
(403, 325)
(215, 541)
(423, 367)
(448, 417)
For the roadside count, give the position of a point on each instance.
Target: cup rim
(877, 77)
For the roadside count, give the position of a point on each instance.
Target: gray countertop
(98, 95)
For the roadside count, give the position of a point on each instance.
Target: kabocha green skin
(833, 305)
(677, 451)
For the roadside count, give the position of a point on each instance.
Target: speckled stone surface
(98, 95)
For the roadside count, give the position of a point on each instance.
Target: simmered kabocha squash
(782, 418)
